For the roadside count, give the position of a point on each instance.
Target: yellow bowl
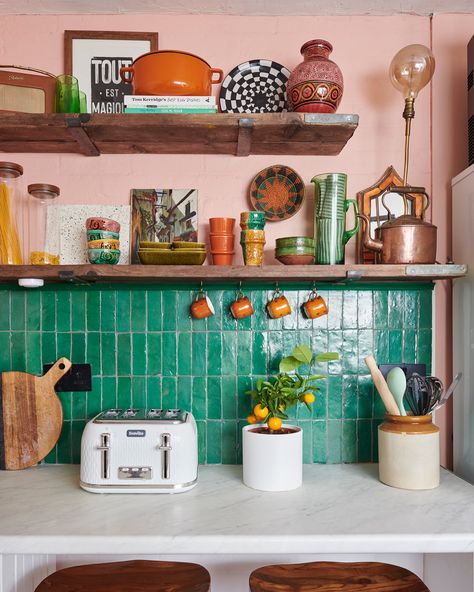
(104, 244)
(153, 245)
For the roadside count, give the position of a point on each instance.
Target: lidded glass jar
(12, 213)
(43, 224)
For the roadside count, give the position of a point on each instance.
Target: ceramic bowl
(294, 251)
(110, 256)
(294, 241)
(99, 223)
(172, 257)
(296, 259)
(187, 245)
(154, 245)
(93, 235)
(104, 244)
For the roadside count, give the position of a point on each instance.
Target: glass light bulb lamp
(411, 70)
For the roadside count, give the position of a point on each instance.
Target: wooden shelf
(216, 133)
(214, 274)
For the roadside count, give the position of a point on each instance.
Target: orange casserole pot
(171, 73)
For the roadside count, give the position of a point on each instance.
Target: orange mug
(241, 307)
(278, 306)
(202, 307)
(315, 306)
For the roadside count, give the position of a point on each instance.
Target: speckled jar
(316, 85)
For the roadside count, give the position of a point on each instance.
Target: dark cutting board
(31, 416)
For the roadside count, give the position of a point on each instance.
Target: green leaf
(316, 377)
(289, 364)
(327, 357)
(303, 354)
(259, 384)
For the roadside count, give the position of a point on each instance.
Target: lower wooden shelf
(210, 273)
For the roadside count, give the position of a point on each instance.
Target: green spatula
(397, 383)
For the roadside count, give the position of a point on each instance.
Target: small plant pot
(272, 461)
(222, 243)
(221, 224)
(222, 258)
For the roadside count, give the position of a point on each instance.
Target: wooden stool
(129, 576)
(329, 576)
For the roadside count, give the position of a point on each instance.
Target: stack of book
(172, 104)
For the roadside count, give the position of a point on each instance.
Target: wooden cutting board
(31, 416)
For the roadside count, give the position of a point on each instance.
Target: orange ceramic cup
(315, 307)
(219, 225)
(222, 243)
(279, 306)
(222, 258)
(241, 308)
(202, 307)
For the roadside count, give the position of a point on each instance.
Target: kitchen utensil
(436, 390)
(381, 386)
(278, 306)
(315, 306)
(225, 225)
(278, 191)
(241, 307)
(202, 306)
(423, 393)
(406, 239)
(139, 451)
(169, 73)
(100, 256)
(31, 416)
(256, 86)
(397, 383)
(444, 398)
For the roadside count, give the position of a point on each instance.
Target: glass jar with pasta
(43, 227)
(12, 214)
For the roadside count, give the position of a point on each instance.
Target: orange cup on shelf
(278, 306)
(241, 307)
(225, 225)
(222, 258)
(315, 306)
(222, 243)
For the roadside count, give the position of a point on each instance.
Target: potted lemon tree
(272, 450)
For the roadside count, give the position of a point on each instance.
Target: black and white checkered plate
(256, 86)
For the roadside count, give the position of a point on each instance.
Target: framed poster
(95, 59)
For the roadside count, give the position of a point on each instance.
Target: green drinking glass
(67, 94)
(82, 102)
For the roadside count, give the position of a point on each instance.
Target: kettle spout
(369, 242)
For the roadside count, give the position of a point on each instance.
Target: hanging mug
(278, 306)
(315, 306)
(202, 307)
(241, 307)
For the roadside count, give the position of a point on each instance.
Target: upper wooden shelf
(215, 133)
(213, 274)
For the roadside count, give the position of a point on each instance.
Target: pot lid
(406, 220)
(160, 51)
(10, 169)
(43, 190)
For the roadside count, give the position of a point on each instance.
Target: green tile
(63, 345)
(124, 391)
(202, 441)
(78, 348)
(394, 347)
(228, 321)
(381, 346)
(259, 353)
(291, 321)
(259, 302)
(5, 313)
(349, 405)
(139, 310)
(109, 392)
(139, 350)
(334, 428)
(65, 444)
(48, 311)
(425, 320)
(93, 311)
(395, 309)
(199, 354)
(307, 428)
(334, 389)
(184, 392)
(184, 354)
(334, 303)
(349, 441)
(169, 361)
(48, 348)
(108, 310)
(409, 346)
(18, 351)
(350, 347)
(33, 310)
(381, 310)
(155, 314)
(229, 442)
(109, 356)
(275, 350)
(199, 402)
(184, 299)
(153, 392)
(320, 403)
(124, 354)
(78, 307)
(77, 428)
(364, 440)
(52, 457)
(365, 345)
(139, 392)
(214, 402)
(244, 401)
(214, 442)
(214, 353)
(94, 398)
(293, 338)
(66, 404)
(63, 311)
(18, 302)
(244, 352)
(424, 348)
(229, 397)
(93, 352)
(214, 322)
(33, 352)
(320, 441)
(365, 318)
(154, 353)
(365, 397)
(169, 303)
(169, 397)
(78, 401)
(124, 307)
(229, 353)
(349, 310)
(335, 344)
(411, 309)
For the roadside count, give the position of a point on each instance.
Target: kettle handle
(404, 190)
(350, 233)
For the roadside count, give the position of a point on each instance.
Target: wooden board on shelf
(216, 274)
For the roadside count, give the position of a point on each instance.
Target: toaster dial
(135, 473)
(165, 447)
(105, 461)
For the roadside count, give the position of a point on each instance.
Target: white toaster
(139, 451)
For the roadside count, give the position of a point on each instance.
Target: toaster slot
(165, 447)
(105, 460)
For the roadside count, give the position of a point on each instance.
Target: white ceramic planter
(272, 462)
(409, 452)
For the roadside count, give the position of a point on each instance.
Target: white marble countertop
(339, 509)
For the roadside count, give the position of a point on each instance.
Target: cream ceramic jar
(409, 452)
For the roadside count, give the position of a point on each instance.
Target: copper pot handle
(28, 68)
(404, 190)
(124, 71)
(220, 75)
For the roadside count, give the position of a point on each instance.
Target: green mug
(67, 94)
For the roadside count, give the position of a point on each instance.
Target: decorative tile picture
(73, 230)
(164, 216)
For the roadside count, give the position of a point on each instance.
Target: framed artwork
(95, 59)
(163, 216)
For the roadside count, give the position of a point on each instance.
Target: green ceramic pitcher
(330, 207)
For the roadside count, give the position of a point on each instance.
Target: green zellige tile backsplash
(145, 350)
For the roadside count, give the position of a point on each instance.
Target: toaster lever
(165, 447)
(105, 449)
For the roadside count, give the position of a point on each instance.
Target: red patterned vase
(315, 85)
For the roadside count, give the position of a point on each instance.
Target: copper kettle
(406, 239)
